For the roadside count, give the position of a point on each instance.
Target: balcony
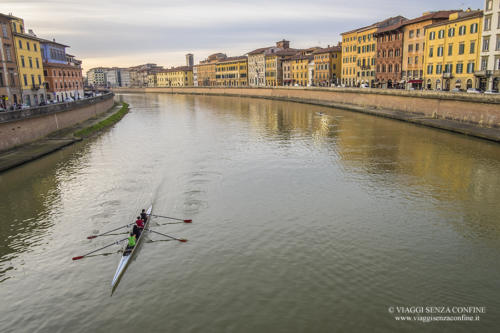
(484, 73)
(35, 87)
(447, 75)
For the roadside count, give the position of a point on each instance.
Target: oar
(183, 240)
(107, 232)
(173, 218)
(102, 248)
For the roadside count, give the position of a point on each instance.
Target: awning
(415, 81)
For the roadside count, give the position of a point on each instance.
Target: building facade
(489, 69)
(10, 92)
(175, 77)
(96, 77)
(389, 60)
(232, 72)
(206, 70)
(257, 63)
(452, 52)
(349, 56)
(274, 66)
(328, 66)
(299, 69)
(62, 72)
(29, 60)
(414, 45)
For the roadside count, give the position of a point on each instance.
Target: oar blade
(183, 240)
(77, 258)
(91, 237)
(188, 221)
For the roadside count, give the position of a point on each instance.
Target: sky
(125, 33)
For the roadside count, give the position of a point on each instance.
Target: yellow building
(299, 69)
(452, 51)
(327, 66)
(30, 66)
(367, 51)
(175, 77)
(232, 72)
(275, 66)
(349, 56)
(152, 80)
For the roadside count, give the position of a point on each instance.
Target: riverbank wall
(25, 126)
(471, 114)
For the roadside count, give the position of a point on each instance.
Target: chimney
(30, 32)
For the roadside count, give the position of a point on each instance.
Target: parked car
(456, 90)
(69, 99)
(473, 91)
(492, 92)
(364, 85)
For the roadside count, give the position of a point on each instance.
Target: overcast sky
(130, 32)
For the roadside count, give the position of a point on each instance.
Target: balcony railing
(35, 87)
(447, 75)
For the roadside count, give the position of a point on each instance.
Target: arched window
(469, 84)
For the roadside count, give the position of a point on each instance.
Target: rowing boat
(129, 253)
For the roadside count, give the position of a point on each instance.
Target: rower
(131, 240)
(138, 226)
(144, 215)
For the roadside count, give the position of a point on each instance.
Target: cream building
(489, 64)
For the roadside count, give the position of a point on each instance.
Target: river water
(306, 219)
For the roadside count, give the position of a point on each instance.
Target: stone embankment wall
(477, 109)
(24, 126)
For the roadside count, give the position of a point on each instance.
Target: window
(432, 35)
(450, 49)
(439, 69)
(25, 77)
(461, 48)
(473, 28)
(4, 30)
(462, 30)
(470, 67)
(1, 80)
(448, 68)
(484, 63)
(440, 51)
(472, 47)
(431, 52)
(487, 23)
(489, 5)
(497, 48)
(28, 46)
(430, 69)
(459, 68)
(30, 61)
(412, 33)
(418, 32)
(39, 79)
(417, 47)
(451, 32)
(486, 44)
(8, 55)
(441, 34)
(35, 48)
(37, 63)
(497, 63)
(20, 44)
(410, 48)
(22, 62)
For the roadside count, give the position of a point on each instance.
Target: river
(305, 219)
